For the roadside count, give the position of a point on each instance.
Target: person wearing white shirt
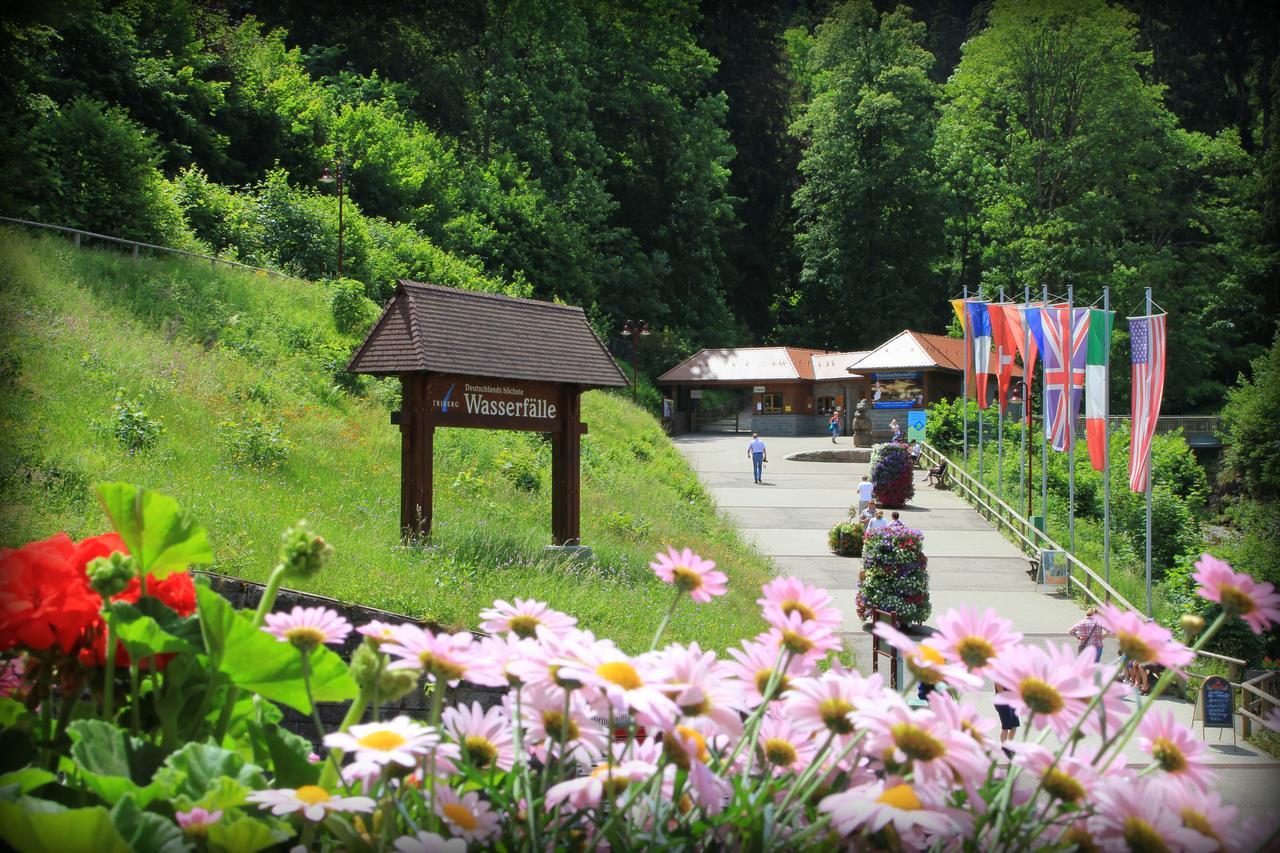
(864, 492)
(758, 455)
(877, 523)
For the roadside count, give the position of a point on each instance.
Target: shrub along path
(969, 563)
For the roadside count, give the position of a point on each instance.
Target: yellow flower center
(460, 815)
(383, 740)
(796, 643)
(686, 578)
(1041, 696)
(922, 663)
(305, 637)
(975, 651)
(620, 673)
(702, 706)
(558, 728)
(1081, 839)
(931, 654)
(676, 749)
(901, 797)
(312, 795)
(441, 668)
(1142, 837)
(566, 683)
(762, 683)
(524, 625)
(614, 784)
(1063, 786)
(699, 741)
(835, 715)
(1235, 601)
(780, 752)
(792, 606)
(1168, 755)
(1193, 819)
(1134, 646)
(480, 750)
(916, 743)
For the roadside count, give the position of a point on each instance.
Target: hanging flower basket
(892, 477)
(845, 539)
(894, 575)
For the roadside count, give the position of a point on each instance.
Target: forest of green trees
(803, 172)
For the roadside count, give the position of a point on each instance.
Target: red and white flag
(1001, 336)
(1147, 340)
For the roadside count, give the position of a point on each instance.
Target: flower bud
(303, 553)
(1192, 625)
(396, 684)
(364, 667)
(111, 574)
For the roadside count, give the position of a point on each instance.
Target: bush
(845, 539)
(892, 475)
(132, 426)
(353, 311)
(894, 575)
(256, 443)
(520, 470)
(627, 526)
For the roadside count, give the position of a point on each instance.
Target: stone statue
(861, 425)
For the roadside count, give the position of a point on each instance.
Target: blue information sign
(897, 389)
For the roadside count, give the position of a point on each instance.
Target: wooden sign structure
(1216, 706)
(485, 361)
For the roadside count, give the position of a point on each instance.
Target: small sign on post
(1053, 567)
(915, 426)
(1217, 705)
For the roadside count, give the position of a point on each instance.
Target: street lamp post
(634, 329)
(329, 176)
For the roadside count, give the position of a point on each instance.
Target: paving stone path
(969, 563)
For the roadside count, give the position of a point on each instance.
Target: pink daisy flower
(312, 801)
(198, 820)
(825, 703)
(637, 685)
(808, 640)
(609, 779)
(1054, 684)
(1238, 593)
(1143, 641)
(912, 809)
(429, 842)
(547, 729)
(690, 573)
(468, 817)
(709, 792)
(1175, 749)
(484, 736)
(1133, 814)
(524, 618)
(784, 596)
(754, 665)
(398, 741)
(1204, 811)
(919, 741)
(308, 627)
(784, 747)
(973, 638)
(442, 657)
(925, 661)
(1111, 713)
(707, 690)
(377, 632)
(540, 663)
(961, 717)
(1069, 779)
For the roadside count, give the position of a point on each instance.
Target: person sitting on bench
(938, 474)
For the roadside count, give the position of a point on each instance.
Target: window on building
(826, 405)
(771, 402)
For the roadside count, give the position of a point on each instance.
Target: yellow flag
(958, 304)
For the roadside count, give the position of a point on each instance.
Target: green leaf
(261, 664)
(58, 830)
(247, 835)
(145, 832)
(112, 765)
(159, 534)
(225, 793)
(27, 779)
(141, 635)
(11, 710)
(290, 757)
(198, 768)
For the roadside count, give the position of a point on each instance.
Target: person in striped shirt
(1090, 633)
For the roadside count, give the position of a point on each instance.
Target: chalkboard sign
(1217, 702)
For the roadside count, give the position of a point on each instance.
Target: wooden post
(417, 447)
(77, 239)
(566, 469)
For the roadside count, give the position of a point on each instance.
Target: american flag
(1147, 339)
(1062, 353)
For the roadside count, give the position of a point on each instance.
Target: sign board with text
(1217, 703)
(897, 389)
(464, 401)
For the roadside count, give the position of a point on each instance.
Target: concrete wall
(792, 424)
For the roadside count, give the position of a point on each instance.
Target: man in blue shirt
(758, 455)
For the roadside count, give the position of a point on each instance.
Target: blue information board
(915, 426)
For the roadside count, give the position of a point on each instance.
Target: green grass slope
(227, 362)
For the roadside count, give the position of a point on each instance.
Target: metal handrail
(137, 244)
(990, 498)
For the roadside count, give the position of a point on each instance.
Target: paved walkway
(969, 563)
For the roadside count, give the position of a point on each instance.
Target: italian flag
(1097, 363)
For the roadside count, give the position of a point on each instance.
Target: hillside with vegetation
(227, 390)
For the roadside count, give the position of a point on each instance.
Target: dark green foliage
(132, 426)
(256, 442)
(845, 539)
(353, 312)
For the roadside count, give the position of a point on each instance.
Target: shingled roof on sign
(427, 327)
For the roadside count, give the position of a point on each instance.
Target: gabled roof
(835, 365)
(743, 364)
(447, 330)
(910, 350)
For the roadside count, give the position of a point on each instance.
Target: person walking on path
(865, 490)
(758, 455)
(833, 426)
(1090, 633)
(1008, 723)
(896, 428)
(868, 513)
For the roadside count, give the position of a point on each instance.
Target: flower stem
(269, 594)
(109, 668)
(662, 626)
(135, 707)
(330, 774)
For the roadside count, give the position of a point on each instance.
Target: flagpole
(1150, 466)
(1106, 446)
(1044, 423)
(1069, 347)
(967, 359)
(1000, 403)
(1024, 454)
